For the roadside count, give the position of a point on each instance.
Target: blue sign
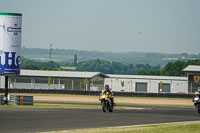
(11, 64)
(14, 30)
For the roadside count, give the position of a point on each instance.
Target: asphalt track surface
(18, 120)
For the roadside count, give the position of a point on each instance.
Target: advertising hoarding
(10, 43)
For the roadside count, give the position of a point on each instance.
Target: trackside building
(193, 75)
(95, 81)
(38, 79)
(152, 84)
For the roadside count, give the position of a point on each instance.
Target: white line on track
(155, 124)
(142, 125)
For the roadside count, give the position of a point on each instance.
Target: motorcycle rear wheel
(111, 109)
(104, 106)
(198, 108)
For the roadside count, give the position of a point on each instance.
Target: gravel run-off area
(155, 101)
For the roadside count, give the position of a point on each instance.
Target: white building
(95, 81)
(193, 75)
(153, 84)
(69, 80)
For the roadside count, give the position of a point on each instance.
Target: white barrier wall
(176, 85)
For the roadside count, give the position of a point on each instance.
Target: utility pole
(50, 52)
(75, 60)
(6, 91)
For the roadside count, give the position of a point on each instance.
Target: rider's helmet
(107, 87)
(197, 93)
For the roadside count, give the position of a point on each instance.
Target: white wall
(176, 86)
(179, 86)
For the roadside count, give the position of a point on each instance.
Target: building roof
(192, 68)
(68, 74)
(147, 77)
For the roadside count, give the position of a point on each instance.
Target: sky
(164, 26)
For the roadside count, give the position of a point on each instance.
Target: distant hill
(67, 55)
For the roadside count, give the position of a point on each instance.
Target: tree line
(171, 69)
(98, 65)
(134, 57)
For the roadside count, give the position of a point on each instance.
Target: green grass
(68, 68)
(41, 105)
(163, 128)
(52, 105)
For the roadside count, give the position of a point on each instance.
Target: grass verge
(161, 128)
(41, 105)
(51, 105)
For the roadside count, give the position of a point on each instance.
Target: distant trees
(148, 72)
(113, 67)
(98, 65)
(171, 69)
(175, 68)
(35, 65)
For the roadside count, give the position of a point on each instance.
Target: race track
(20, 120)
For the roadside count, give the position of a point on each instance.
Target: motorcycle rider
(196, 94)
(107, 89)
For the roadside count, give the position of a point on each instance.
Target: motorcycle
(107, 102)
(196, 101)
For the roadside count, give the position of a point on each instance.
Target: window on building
(78, 84)
(22, 80)
(41, 80)
(55, 81)
(12, 80)
(164, 87)
(99, 82)
(141, 87)
(66, 84)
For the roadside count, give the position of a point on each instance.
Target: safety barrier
(17, 100)
(24, 100)
(2, 100)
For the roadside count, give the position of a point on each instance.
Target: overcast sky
(167, 26)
